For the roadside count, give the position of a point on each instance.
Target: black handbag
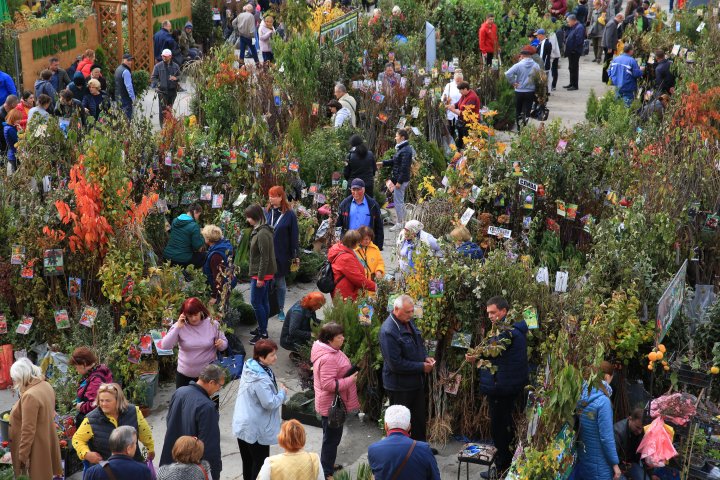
(337, 412)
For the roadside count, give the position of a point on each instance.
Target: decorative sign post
(669, 304)
(337, 30)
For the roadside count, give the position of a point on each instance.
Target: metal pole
(18, 72)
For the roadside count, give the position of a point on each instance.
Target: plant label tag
(675, 49)
(700, 27)
(415, 112)
(499, 232)
(531, 318)
(146, 344)
(17, 256)
(239, 200)
(89, 314)
(453, 385)
(677, 26)
(436, 287)
(3, 324)
(157, 337)
(62, 320)
(528, 184)
(216, 14)
(217, 200)
(466, 216)
(561, 210)
(47, 186)
(415, 130)
(561, 281)
(206, 193)
(401, 123)
(74, 287)
(365, 313)
(474, 193)
(445, 181)
(543, 276)
(571, 211)
(25, 325)
(561, 146)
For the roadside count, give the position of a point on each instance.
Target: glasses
(107, 388)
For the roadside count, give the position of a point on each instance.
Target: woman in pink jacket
(332, 369)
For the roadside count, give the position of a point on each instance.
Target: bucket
(5, 426)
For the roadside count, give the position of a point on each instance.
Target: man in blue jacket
(162, 40)
(192, 412)
(624, 72)
(505, 387)
(399, 457)
(360, 210)
(123, 443)
(574, 42)
(7, 86)
(405, 362)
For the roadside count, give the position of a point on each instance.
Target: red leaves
(700, 111)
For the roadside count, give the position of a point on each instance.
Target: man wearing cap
(162, 40)
(359, 210)
(188, 47)
(522, 77)
(124, 91)
(544, 49)
(574, 42)
(165, 79)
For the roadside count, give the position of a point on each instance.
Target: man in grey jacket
(244, 25)
(609, 42)
(164, 78)
(522, 77)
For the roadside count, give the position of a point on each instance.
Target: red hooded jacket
(488, 37)
(349, 272)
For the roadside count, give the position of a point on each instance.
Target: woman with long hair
(199, 337)
(262, 268)
(286, 240)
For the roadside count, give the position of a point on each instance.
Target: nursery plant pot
(305, 418)
(5, 426)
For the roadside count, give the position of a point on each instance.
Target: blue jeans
(399, 200)
(245, 43)
(260, 301)
(627, 97)
(281, 286)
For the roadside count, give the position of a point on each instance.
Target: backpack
(326, 278)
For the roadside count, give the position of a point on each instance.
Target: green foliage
(141, 82)
(323, 153)
(301, 60)
(202, 20)
(459, 21)
(600, 110)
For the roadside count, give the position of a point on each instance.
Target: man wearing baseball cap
(124, 91)
(165, 79)
(359, 210)
(189, 49)
(522, 77)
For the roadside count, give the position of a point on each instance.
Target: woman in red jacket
(349, 272)
(85, 65)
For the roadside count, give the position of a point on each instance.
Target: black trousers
(253, 456)
(502, 427)
(554, 71)
(415, 402)
(183, 380)
(523, 104)
(166, 99)
(574, 67)
(489, 58)
(606, 64)
(328, 453)
(462, 132)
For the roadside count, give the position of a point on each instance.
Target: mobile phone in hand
(352, 370)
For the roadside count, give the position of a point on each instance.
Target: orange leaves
(700, 111)
(56, 235)
(138, 212)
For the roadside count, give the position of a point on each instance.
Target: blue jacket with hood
(512, 365)
(596, 443)
(185, 238)
(257, 408)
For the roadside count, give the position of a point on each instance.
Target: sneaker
(258, 337)
(396, 227)
(254, 333)
(281, 316)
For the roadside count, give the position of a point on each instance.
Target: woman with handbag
(256, 420)
(335, 390)
(189, 465)
(199, 337)
(285, 241)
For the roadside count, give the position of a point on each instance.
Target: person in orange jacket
(488, 39)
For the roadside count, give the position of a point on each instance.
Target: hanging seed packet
(378, 97)
(89, 314)
(161, 205)
(517, 169)
(276, 97)
(466, 216)
(561, 210)
(526, 223)
(315, 109)
(3, 324)
(74, 287)
(461, 340)
(419, 311)
(28, 271)
(571, 211)
(62, 320)
(217, 200)
(401, 123)
(294, 166)
(543, 276)
(431, 347)
(244, 151)
(53, 262)
(134, 354)
(561, 281)
(25, 325)
(529, 201)
(365, 314)
(453, 385)
(168, 159)
(233, 158)
(561, 146)
(17, 255)
(530, 317)
(206, 193)
(382, 118)
(415, 112)
(146, 344)
(444, 66)
(423, 91)
(474, 194)
(436, 287)
(711, 223)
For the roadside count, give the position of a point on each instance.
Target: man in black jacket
(628, 435)
(609, 42)
(664, 78)
(401, 164)
(192, 412)
(164, 78)
(360, 210)
(545, 52)
(574, 49)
